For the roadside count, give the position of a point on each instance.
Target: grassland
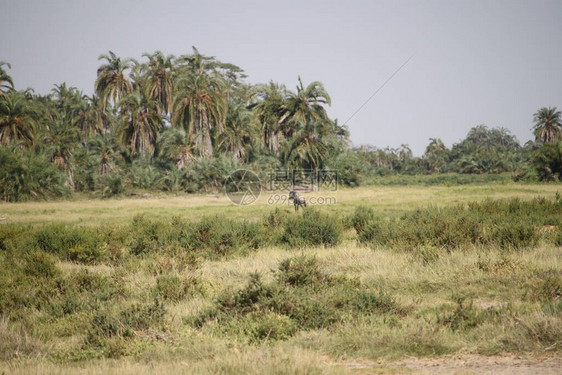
(195, 284)
(386, 200)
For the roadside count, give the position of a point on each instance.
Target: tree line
(184, 123)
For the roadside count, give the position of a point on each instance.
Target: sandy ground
(465, 365)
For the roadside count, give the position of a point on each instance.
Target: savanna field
(384, 280)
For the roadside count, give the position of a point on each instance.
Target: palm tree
(404, 153)
(139, 123)
(104, 150)
(6, 83)
(112, 82)
(307, 104)
(306, 148)
(66, 97)
(60, 139)
(174, 145)
(158, 82)
(200, 108)
(547, 125)
(271, 113)
(197, 63)
(436, 154)
(90, 117)
(18, 118)
(240, 130)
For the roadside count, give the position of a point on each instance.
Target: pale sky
(475, 62)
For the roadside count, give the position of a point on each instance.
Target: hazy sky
(475, 62)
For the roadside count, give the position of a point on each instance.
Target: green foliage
(80, 244)
(350, 168)
(40, 264)
(515, 236)
(111, 185)
(486, 150)
(509, 224)
(547, 161)
(25, 176)
(175, 288)
(300, 271)
(444, 179)
(302, 297)
(360, 217)
(110, 328)
(276, 218)
(211, 236)
(312, 228)
(144, 175)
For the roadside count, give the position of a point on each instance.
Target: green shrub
(174, 288)
(276, 218)
(545, 287)
(547, 161)
(350, 168)
(79, 244)
(40, 264)
(515, 236)
(260, 327)
(25, 176)
(110, 322)
(312, 228)
(301, 297)
(361, 217)
(507, 224)
(221, 237)
(110, 185)
(465, 316)
(300, 271)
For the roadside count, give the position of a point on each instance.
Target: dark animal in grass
(297, 199)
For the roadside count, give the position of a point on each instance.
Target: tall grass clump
(80, 244)
(361, 217)
(312, 228)
(301, 297)
(505, 224)
(212, 237)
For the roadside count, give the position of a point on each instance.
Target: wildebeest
(297, 199)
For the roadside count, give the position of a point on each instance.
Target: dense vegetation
(184, 123)
(69, 292)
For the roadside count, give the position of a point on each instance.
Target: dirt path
(466, 365)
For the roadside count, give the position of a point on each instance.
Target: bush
(301, 297)
(26, 176)
(300, 271)
(73, 243)
(275, 218)
(349, 167)
(515, 236)
(360, 217)
(40, 264)
(213, 236)
(509, 224)
(547, 161)
(259, 327)
(110, 185)
(221, 237)
(312, 228)
(108, 323)
(174, 288)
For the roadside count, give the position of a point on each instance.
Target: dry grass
(495, 281)
(385, 200)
